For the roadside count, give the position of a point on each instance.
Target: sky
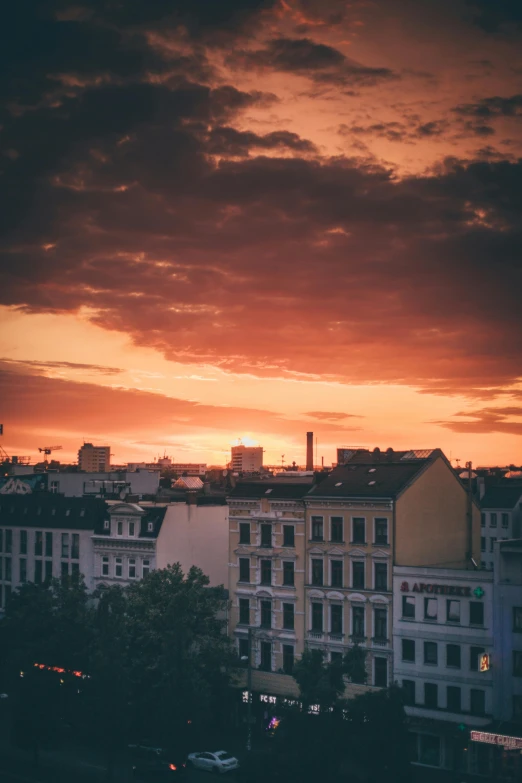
(257, 218)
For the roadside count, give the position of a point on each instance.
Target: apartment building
(375, 511)
(443, 640)
(500, 519)
(266, 582)
(508, 633)
(94, 459)
(246, 459)
(44, 536)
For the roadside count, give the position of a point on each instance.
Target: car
(151, 763)
(218, 761)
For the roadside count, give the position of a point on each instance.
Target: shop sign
(512, 743)
(421, 587)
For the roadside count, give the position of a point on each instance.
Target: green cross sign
(478, 591)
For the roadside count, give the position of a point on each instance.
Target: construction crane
(48, 449)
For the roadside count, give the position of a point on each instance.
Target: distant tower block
(309, 450)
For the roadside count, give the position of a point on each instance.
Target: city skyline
(259, 219)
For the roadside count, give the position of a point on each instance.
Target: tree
(354, 665)
(319, 682)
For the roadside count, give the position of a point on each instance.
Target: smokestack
(309, 450)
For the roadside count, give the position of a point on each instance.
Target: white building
(442, 626)
(508, 632)
(501, 519)
(94, 459)
(246, 459)
(108, 485)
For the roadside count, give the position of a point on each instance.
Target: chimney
(309, 450)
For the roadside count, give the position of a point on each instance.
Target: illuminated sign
(513, 743)
(484, 662)
(421, 587)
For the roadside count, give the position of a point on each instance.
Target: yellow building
(94, 459)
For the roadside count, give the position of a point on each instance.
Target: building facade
(508, 632)
(94, 459)
(500, 520)
(443, 640)
(246, 459)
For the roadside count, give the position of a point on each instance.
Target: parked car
(218, 761)
(150, 763)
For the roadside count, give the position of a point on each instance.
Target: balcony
(315, 634)
(336, 636)
(357, 638)
(380, 641)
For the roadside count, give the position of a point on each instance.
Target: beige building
(94, 459)
(246, 459)
(376, 511)
(267, 573)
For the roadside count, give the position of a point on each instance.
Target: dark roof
(501, 497)
(273, 490)
(45, 510)
(377, 457)
(156, 515)
(386, 479)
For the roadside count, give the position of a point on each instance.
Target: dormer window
(119, 529)
(106, 525)
(150, 527)
(131, 529)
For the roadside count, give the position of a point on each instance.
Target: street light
(249, 688)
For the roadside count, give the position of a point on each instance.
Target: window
(492, 544)
(408, 607)
(131, 529)
(430, 653)
(150, 527)
(336, 619)
(244, 569)
(381, 623)
(65, 544)
(1, 540)
(358, 622)
(23, 570)
(1, 565)
(517, 663)
(145, 568)
(482, 543)
(266, 536)
(381, 672)
(244, 611)
(119, 529)
(244, 532)
(105, 566)
(38, 571)
(476, 613)
(7, 572)
(430, 695)
(288, 573)
(317, 617)
(75, 568)
(266, 614)
(408, 650)
(474, 655)
(243, 649)
(477, 701)
(266, 572)
(75, 546)
(453, 655)
(288, 658)
(453, 698)
(8, 541)
(452, 611)
(119, 567)
(132, 568)
(336, 530)
(493, 519)
(48, 544)
(288, 535)
(517, 708)
(48, 570)
(266, 656)
(106, 525)
(429, 751)
(408, 690)
(64, 570)
(38, 543)
(381, 531)
(482, 520)
(358, 575)
(337, 573)
(381, 576)
(23, 542)
(430, 608)
(359, 530)
(317, 572)
(288, 617)
(317, 528)
(517, 618)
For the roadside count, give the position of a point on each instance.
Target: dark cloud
(230, 142)
(31, 365)
(330, 415)
(304, 57)
(495, 106)
(486, 421)
(494, 16)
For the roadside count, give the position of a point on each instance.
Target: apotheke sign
(421, 587)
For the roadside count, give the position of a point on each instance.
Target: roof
(501, 497)
(46, 510)
(154, 514)
(377, 457)
(189, 482)
(385, 479)
(273, 490)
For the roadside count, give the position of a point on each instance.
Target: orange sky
(304, 216)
